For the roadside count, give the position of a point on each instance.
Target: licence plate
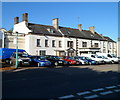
(25, 62)
(60, 61)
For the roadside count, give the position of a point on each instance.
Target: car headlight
(42, 62)
(30, 60)
(19, 60)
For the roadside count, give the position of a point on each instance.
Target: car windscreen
(56, 58)
(82, 58)
(22, 55)
(109, 56)
(92, 56)
(87, 58)
(41, 58)
(104, 57)
(99, 57)
(70, 58)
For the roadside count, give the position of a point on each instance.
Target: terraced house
(39, 39)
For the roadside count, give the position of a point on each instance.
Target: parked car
(40, 61)
(94, 57)
(90, 61)
(23, 59)
(106, 60)
(71, 60)
(111, 57)
(81, 59)
(5, 54)
(55, 60)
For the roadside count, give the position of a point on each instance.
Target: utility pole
(16, 65)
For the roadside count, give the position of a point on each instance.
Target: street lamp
(16, 65)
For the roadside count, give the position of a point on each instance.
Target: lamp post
(16, 65)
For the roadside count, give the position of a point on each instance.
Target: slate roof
(67, 32)
(109, 39)
(42, 29)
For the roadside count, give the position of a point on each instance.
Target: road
(73, 82)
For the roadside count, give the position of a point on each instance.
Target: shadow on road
(47, 83)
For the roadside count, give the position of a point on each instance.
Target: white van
(113, 59)
(94, 57)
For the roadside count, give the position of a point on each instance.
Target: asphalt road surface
(75, 82)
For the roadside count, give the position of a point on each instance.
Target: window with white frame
(38, 42)
(46, 43)
(69, 43)
(42, 52)
(53, 43)
(60, 44)
(84, 44)
(96, 45)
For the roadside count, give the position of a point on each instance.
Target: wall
(10, 42)
(31, 44)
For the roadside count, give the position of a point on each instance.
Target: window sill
(38, 46)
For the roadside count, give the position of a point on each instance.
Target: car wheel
(90, 63)
(112, 62)
(56, 63)
(70, 63)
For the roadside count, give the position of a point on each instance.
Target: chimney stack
(80, 27)
(16, 20)
(25, 17)
(55, 23)
(92, 29)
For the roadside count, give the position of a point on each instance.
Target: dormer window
(92, 35)
(51, 30)
(68, 32)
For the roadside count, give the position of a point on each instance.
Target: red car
(70, 60)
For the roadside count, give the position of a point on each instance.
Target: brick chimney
(55, 23)
(16, 20)
(92, 29)
(25, 18)
(80, 27)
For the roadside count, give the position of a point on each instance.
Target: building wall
(118, 47)
(31, 44)
(10, 42)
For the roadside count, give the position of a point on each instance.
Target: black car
(55, 60)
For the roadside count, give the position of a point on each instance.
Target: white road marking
(83, 93)
(105, 93)
(100, 89)
(66, 97)
(91, 96)
(94, 95)
(110, 87)
(117, 90)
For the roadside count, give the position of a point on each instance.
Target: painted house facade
(39, 39)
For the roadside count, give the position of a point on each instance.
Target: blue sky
(102, 15)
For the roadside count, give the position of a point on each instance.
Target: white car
(111, 57)
(94, 57)
(106, 60)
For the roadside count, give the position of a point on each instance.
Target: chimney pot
(80, 27)
(16, 20)
(55, 23)
(25, 17)
(92, 29)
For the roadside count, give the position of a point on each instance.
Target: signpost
(16, 65)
